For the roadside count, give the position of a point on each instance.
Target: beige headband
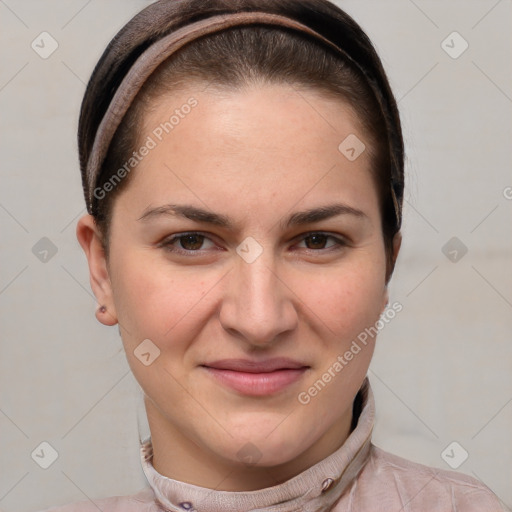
(151, 58)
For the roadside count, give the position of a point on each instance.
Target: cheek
(155, 301)
(346, 300)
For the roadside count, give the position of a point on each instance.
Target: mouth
(256, 378)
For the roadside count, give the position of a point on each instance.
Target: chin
(261, 445)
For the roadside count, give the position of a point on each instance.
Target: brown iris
(191, 242)
(316, 241)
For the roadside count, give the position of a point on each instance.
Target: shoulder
(142, 501)
(417, 487)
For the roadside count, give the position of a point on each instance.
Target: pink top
(358, 477)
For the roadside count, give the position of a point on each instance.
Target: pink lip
(256, 378)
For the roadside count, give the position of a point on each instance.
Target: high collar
(314, 490)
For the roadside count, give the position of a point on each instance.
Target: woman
(242, 164)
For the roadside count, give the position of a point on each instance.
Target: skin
(255, 156)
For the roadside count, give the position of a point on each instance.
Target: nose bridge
(258, 306)
(258, 288)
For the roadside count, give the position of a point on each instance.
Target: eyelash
(168, 243)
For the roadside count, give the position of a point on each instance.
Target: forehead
(265, 143)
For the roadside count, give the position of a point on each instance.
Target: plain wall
(442, 369)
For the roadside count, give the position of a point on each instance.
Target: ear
(396, 244)
(89, 238)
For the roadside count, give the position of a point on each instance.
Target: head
(257, 217)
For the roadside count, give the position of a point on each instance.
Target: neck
(177, 455)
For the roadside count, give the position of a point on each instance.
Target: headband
(159, 51)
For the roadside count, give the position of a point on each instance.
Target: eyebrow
(296, 219)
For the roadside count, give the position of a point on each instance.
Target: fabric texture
(358, 477)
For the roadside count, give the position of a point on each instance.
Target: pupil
(192, 242)
(316, 241)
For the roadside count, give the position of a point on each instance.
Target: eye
(320, 241)
(187, 243)
(196, 243)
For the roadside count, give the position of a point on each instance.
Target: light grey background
(442, 370)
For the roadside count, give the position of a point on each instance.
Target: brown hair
(241, 56)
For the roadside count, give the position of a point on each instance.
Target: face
(248, 249)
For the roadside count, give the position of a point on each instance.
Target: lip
(256, 378)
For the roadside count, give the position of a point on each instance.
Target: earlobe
(385, 300)
(391, 258)
(89, 238)
(397, 242)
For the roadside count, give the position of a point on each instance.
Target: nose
(258, 305)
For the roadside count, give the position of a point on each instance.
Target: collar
(314, 490)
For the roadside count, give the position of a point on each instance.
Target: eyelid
(340, 239)
(167, 242)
